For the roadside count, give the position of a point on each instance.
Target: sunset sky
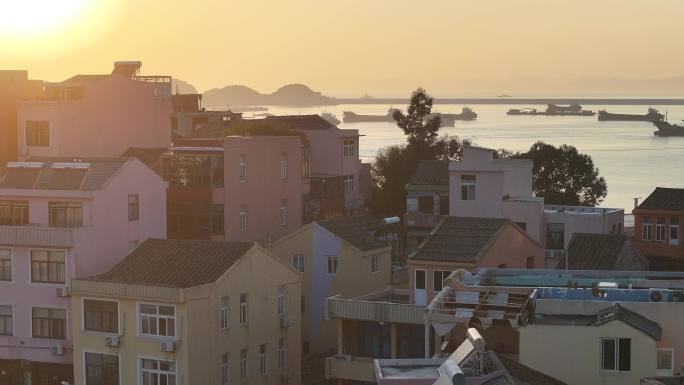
(352, 47)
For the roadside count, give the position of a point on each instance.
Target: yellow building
(189, 313)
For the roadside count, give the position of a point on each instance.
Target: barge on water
(652, 116)
(553, 110)
(668, 129)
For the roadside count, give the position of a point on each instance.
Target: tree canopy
(419, 124)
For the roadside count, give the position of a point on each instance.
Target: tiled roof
(358, 230)
(150, 156)
(302, 122)
(603, 252)
(175, 263)
(48, 178)
(663, 198)
(432, 173)
(460, 239)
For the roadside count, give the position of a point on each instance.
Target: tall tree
(419, 125)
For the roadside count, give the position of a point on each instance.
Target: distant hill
(182, 87)
(289, 95)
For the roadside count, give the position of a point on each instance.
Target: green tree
(419, 124)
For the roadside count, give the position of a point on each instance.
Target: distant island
(294, 95)
(182, 87)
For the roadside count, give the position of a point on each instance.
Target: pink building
(61, 219)
(97, 115)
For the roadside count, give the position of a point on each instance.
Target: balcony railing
(350, 368)
(36, 236)
(374, 310)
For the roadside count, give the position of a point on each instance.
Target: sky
(348, 48)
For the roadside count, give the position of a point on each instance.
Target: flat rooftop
(409, 368)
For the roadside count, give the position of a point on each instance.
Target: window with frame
(133, 207)
(555, 236)
(283, 166)
(263, 362)
(243, 309)
(281, 300)
(157, 320)
(660, 229)
(216, 164)
(48, 323)
(438, 277)
(243, 218)
(224, 313)
(216, 218)
(298, 262)
(665, 362)
(38, 133)
(349, 183)
(674, 231)
(243, 364)
(100, 316)
(375, 264)
(332, 264)
(5, 265)
(283, 212)
(48, 266)
(282, 354)
(468, 183)
(647, 229)
(616, 354)
(14, 213)
(101, 369)
(225, 369)
(6, 320)
(157, 372)
(349, 147)
(243, 168)
(66, 215)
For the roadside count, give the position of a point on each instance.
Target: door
(419, 294)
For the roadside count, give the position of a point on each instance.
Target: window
(426, 205)
(243, 309)
(49, 323)
(530, 262)
(225, 374)
(224, 313)
(349, 183)
(420, 279)
(647, 229)
(375, 264)
(616, 354)
(281, 299)
(243, 364)
(438, 277)
(100, 316)
(282, 358)
(555, 236)
(48, 266)
(216, 165)
(283, 212)
(66, 214)
(674, 232)
(157, 320)
(157, 372)
(306, 163)
(5, 265)
(37, 133)
(243, 218)
(332, 264)
(298, 262)
(660, 229)
(101, 369)
(243, 168)
(216, 219)
(444, 205)
(262, 359)
(665, 362)
(6, 320)
(348, 147)
(14, 213)
(283, 166)
(468, 187)
(133, 207)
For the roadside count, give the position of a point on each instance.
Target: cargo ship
(668, 129)
(554, 110)
(652, 116)
(466, 114)
(352, 117)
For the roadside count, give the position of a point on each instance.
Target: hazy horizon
(347, 49)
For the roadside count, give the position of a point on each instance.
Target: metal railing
(368, 310)
(36, 236)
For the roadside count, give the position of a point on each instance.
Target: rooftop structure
(658, 229)
(603, 252)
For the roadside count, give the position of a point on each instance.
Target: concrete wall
(489, 192)
(595, 223)
(530, 212)
(572, 354)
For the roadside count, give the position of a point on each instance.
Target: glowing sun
(36, 17)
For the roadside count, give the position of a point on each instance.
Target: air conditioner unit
(57, 350)
(63, 291)
(168, 346)
(656, 295)
(285, 322)
(112, 341)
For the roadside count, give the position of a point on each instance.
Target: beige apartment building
(189, 313)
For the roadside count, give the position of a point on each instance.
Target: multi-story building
(97, 115)
(190, 116)
(657, 230)
(60, 219)
(189, 312)
(15, 86)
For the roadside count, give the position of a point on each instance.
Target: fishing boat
(652, 116)
(668, 129)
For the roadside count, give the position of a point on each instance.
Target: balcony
(387, 306)
(422, 220)
(350, 368)
(36, 236)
